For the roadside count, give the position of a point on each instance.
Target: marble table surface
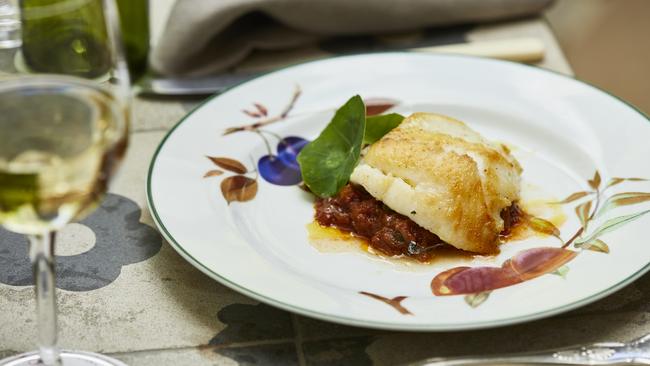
(125, 292)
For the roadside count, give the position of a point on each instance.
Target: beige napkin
(209, 36)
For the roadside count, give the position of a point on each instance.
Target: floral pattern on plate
(532, 263)
(279, 167)
(476, 283)
(259, 246)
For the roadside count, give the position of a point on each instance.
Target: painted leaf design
(252, 114)
(582, 211)
(543, 226)
(561, 271)
(231, 165)
(624, 199)
(611, 225)
(616, 180)
(475, 300)
(238, 188)
(212, 173)
(230, 130)
(262, 109)
(595, 245)
(524, 266)
(574, 196)
(395, 302)
(595, 181)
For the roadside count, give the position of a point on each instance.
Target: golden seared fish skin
(445, 177)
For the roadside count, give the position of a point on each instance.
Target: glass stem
(41, 253)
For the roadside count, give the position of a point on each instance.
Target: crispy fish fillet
(445, 177)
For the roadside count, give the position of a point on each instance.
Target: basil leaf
(378, 126)
(327, 162)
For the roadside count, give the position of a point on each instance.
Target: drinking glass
(64, 115)
(9, 24)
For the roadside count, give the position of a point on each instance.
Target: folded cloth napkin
(209, 36)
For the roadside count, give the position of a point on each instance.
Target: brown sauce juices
(358, 215)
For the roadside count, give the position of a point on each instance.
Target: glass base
(68, 358)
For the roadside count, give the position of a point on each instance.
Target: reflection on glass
(64, 102)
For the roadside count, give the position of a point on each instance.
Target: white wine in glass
(62, 141)
(64, 115)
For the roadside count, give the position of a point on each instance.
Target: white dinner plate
(561, 130)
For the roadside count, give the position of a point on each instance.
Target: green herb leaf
(378, 126)
(327, 162)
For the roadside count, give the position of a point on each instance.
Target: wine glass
(64, 114)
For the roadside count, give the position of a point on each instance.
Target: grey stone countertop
(125, 292)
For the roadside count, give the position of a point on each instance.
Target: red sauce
(355, 211)
(512, 216)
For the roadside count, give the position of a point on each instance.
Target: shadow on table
(263, 335)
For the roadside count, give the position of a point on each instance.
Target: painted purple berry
(288, 149)
(275, 171)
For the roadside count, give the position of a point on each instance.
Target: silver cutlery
(608, 353)
(190, 86)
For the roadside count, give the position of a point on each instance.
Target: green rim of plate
(376, 324)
